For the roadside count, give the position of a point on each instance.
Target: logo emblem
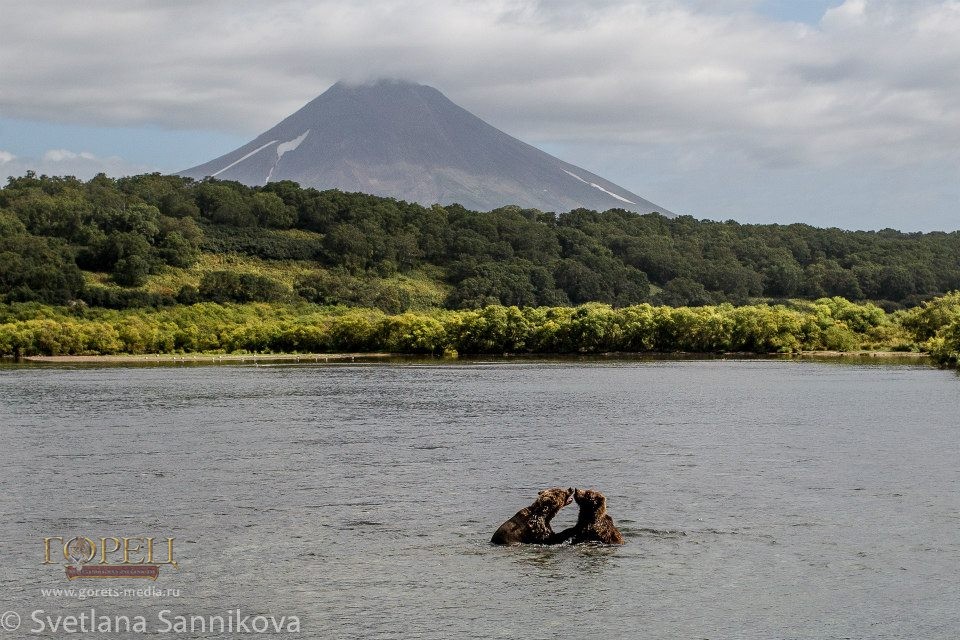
(80, 551)
(109, 557)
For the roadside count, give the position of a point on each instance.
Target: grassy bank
(829, 324)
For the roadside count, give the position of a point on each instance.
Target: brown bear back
(531, 525)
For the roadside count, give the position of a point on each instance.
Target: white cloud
(61, 155)
(83, 164)
(877, 76)
(874, 83)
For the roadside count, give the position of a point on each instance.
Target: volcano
(408, 141)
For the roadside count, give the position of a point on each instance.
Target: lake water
(759, 499)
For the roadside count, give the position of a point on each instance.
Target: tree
(131, 270)
(348, 246)
(225, 204)
(271, 211)
(683, 292)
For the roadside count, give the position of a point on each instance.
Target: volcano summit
(408, 141)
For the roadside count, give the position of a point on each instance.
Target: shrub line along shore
(242, 358)
(214, 357)
(213, 332)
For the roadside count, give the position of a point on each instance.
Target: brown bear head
(592, 501)
(550, 501)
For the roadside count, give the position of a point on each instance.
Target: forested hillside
(155, 240)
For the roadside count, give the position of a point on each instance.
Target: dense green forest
(154, 240)
(157, 263)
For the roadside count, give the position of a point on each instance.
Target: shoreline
(211, 357)
(915, 355)
(241, 358)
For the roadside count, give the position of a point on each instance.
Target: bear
(531, 525)
(593, 523)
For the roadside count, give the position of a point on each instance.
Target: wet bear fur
(593, 523)
(531, 525)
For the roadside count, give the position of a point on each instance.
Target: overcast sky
(832, 112)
